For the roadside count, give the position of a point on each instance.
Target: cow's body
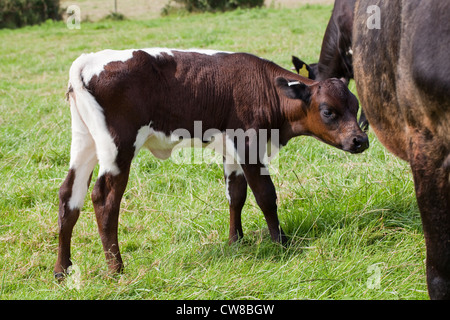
(124, 100)
(402, 75)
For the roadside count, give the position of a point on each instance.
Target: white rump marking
(91, 143)
(82, 158)
(91, 118)
(94, 63)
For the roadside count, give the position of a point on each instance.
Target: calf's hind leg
(106, 197)
(73, 190)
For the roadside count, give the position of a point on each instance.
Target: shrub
(115, 16)
(218, 5)
(19, 13)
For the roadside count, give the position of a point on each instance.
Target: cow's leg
(106, 197)
(430, 164)
(262, 187)
(236, 190)
(73, 190)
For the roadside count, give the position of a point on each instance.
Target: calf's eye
(328, 114)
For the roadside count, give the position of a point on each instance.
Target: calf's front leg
(266, 198)
(106, 197)
(236, 190)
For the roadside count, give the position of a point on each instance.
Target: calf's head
(326, 110)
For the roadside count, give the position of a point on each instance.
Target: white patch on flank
(162, 145)
(157, 142)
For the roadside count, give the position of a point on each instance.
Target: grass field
(352, 220)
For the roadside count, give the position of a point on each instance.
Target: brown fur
(224, 91)
(402, 76)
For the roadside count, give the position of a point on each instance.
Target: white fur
(94, 63)
(208, 52)
(93, 117)
(91, 140)
(228, 170)
(157, 142)
(82, 158)
(162, 145)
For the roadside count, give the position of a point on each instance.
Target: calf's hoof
(59, 275)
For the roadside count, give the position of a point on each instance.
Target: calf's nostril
(360, 143)
(356, 143)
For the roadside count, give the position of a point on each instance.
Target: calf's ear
(294, 89)
(304, 69)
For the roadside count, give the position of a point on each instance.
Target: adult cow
(402, 75)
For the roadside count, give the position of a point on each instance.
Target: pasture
(352, 220)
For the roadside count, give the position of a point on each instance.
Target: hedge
(218, 5)
(19, 13)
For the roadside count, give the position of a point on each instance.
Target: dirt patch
(94, 10)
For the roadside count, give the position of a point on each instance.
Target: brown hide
(174, 90)
(402, 75)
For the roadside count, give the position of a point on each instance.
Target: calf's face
(327, 110)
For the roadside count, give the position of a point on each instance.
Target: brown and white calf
(121, 101)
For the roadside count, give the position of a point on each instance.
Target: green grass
(342, 212)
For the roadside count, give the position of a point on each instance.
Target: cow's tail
(91, 141)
